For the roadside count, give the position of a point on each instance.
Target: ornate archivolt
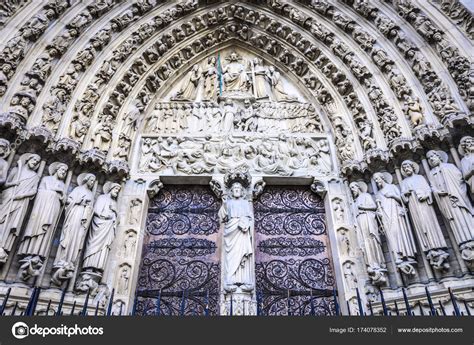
(338, 93)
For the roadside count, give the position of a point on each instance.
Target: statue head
(357, 188)
(409, 168)
(466, 145)
(86, 179)
(382, 178)
(233, 56)
(435, 158)
(237, 191)
(112, 188)
(31, 160)
(59, 169)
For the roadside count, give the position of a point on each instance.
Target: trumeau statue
(395, 223)
(4, 152)
(236, 216)
(466, 148)
(45, 214)
(102, 231)
(78, 214)
(416, 192)
(369, 232)
(19, 189)
(451, 195)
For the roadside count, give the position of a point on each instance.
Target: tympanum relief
(229, 110)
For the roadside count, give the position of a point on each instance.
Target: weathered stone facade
(356, 114)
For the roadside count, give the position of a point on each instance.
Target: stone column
(124, 264)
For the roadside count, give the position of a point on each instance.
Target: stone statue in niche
(78, 214)
(414, 111)
(102, 232)
(123, 280)
(45, 214)
(19, 189)
(210, 79)
(450, 192)
(416, 192)
(79, 127)
(278, 91)
(236, 216)
(345, 241)
(395, 223)
(236, 79)
(131, 119)
(4, 152)
(129, 244)
(466, 149)
(349, 276)
(188, 90)
(366, 215)
(135, 208)
(339, 212)
(103, 133)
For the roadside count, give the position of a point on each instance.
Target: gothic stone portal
(180, 270)
(293, 269)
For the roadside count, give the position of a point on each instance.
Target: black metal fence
(435, 309)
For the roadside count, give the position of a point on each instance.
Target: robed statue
(19, 189)
(450, 192)
(237, 219)
(416, 192)
(102, 232)
(45, 214)
(78, 214)
(366, 215)
(395, 223)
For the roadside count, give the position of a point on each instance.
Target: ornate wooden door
(180, 271)
(293, 267)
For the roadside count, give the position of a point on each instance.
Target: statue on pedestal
(369, 230)
(237, 219)
(416, 192)
(102, 232)
(79, 210)
(395, 223)
(45, 215)
(450, 192)
(20, 188)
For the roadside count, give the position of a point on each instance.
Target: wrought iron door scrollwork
(176, 247)
(180, 271)
(297, 246)
(293, 211)
(293, 272)
(186, 210)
